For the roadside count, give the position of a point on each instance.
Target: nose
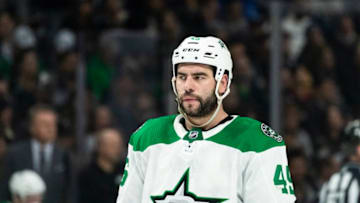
(189, 85)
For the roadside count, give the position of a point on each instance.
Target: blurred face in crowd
(113, 5)
(235, 10)
(29, 199)
(298, 168)
(195, 85)
(328, 91)
(6, 25)
(303, 83)
(6, 116)
(327, 59)
(4, 88)
(29, 64)
(347, 25)
(241, 61)
(85, 8)
(210, 10)
(171, 25)
(191, 5)
(335, 118)
(110, 145)
(145, 101)
(328, 167)
(44, 126)
(156, 4)
(102, 117)
(69, 63)
(292, 116)
(316, 36)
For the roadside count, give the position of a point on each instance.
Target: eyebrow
(194, 74)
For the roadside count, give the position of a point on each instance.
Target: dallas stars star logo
(181, 194)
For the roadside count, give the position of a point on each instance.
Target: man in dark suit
(99, 181)
(42, 154)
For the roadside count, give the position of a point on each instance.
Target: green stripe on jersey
(245, 134)
(154, 131)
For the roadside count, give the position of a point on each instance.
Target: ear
(223, 84)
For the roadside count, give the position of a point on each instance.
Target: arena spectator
(42, 154)
(99, 181)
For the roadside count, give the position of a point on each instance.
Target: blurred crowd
(124, 48)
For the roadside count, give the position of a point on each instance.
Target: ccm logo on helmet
(191, 50)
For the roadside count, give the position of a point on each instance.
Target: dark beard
(206, 107)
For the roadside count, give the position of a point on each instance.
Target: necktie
(42, 163)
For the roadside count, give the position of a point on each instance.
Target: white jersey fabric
(239, 161)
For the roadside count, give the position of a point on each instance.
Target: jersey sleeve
(131, 185)
(267, 175)
(267, 178)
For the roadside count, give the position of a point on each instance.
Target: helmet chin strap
(219, 102)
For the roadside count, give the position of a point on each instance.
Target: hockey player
(344, 186)
(203, 154)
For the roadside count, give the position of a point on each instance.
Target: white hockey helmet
(205, 50)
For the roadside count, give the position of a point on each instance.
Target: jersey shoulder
(154, 131)
(247, 134)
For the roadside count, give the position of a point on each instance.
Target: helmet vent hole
(208, 54)
(216, 55)
(193, 43)
(182, 57)
(210, 46)
(196, 57)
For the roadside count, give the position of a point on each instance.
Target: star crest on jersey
(271, 133)
(181, 194)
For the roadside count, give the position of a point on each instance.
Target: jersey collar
(181, 131)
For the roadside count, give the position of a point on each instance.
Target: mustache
(189, 95)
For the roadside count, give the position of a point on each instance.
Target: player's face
(195, 84)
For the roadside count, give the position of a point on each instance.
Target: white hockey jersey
(238, 161)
